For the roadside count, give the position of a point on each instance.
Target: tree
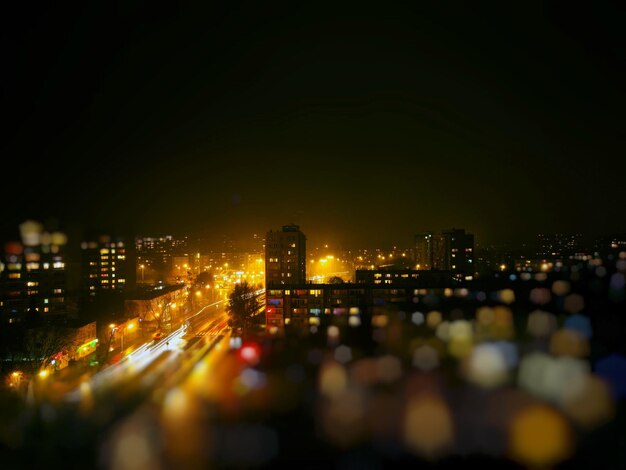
(203, 279)
(42, 343)
(335, 280)
(243, 306)
(156, 311)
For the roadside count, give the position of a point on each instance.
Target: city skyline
(358, 124)
(250, 234)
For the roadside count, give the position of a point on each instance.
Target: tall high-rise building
(451, 250)
(285, 256)
(107, 265)
(32, 274)
(424, 250)
(454, 251)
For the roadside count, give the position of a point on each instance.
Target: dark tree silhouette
(203, 278)
(243, 306)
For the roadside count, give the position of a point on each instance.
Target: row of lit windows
(31, 266)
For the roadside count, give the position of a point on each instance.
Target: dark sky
(362, 124)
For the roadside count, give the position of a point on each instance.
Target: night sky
(363, 124)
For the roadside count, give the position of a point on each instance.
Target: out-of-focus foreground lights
(428, 426)
(332, 378)
(540, 437)
(550, 378)
(486, 366)
(541, 324)
(569, 342)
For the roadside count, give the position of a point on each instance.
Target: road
(81, 415)
(149, 363)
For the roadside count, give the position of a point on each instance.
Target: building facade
(285, 256)
(424, 250)
(451, 250)
(32, 274)
(107, 266)
(305, 305)
(155, 255)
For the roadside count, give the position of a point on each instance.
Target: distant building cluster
(451, 250)
(158, 253)
(291, 298)
(548, 251)
(558, 244)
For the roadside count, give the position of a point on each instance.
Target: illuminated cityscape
(250, 235)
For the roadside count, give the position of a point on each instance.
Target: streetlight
(130, 326)
(143, 268)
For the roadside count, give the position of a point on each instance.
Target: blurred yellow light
(565, 342)
(131, 326)
(43, 373)
(433, 319)
(428, 425)
(540, 437)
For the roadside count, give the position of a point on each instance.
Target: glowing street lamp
(143, 268)
(114, 327)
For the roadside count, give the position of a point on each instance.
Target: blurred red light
(249, 353)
